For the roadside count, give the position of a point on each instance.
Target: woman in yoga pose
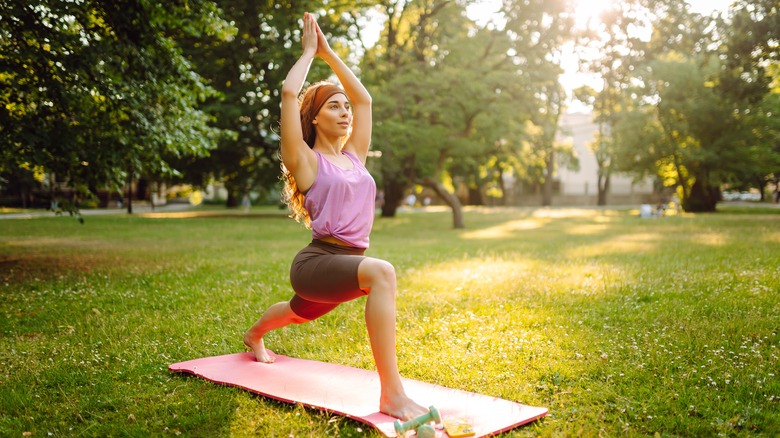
(325, 137)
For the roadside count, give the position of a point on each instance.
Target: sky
(482, 10)
(572, 79)
(701, 6)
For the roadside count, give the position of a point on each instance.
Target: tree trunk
(547, 188)
(502, 186)
(475, 196)
(450, 199)
(702, 199)
(603, 183)
(762, 183)
(394, 193)
(23, 196)
(232, 199)
(52, 193)
(130, 192)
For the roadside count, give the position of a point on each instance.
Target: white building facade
(580, 187)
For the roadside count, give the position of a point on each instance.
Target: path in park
(140, 209)
(146, 208)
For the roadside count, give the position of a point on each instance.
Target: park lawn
(619, 325)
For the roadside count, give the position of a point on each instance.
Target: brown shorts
(324, 275)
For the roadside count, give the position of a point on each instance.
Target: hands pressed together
(313, 39)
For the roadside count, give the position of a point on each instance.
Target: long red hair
(310, 103)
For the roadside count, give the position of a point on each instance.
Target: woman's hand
(310, 37)
(323, 48)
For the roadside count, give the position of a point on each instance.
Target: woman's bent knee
(376, 272)
(295, 319)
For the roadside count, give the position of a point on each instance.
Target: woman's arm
(297, 157)
(360, 138)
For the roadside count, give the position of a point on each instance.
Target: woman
(328, 187)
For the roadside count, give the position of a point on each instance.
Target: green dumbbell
(426, 431)
(432, 415)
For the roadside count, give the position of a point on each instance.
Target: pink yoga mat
(354, 392)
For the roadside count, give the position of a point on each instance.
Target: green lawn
(619, 325)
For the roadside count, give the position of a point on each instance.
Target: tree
(94, 92)
(750, 80)
(691, 135)
(701, 118)
(539, 30)
(397, 68)
(452, 94)
(248, 71)
(620, 49)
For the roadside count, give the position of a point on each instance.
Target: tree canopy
(94, 91)
(248, 70)
(454, 97)
(691, 103)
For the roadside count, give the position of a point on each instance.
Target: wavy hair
(310, 104)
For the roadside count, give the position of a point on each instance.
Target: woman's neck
(328, 147)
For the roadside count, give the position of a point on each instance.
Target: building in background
(580, 187)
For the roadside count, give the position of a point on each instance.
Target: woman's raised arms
(297, 157)
(360, 138)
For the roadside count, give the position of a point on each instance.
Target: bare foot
(258, 347)
(401, 407)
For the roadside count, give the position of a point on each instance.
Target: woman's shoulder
(353, 155)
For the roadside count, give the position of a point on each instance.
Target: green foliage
(620, 326)
(248, 70)
(92, 90)
(619, 51)
(677, 107)
(680, 141)
(750, 40)
(452, 96)
(750, 80)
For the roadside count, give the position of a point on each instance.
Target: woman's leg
(277, 316)
(377, 277)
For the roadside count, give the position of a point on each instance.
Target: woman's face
(335, 117)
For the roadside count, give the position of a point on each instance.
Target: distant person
(325, 137)
(246, 203)
(660, 209)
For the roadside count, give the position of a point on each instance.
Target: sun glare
(589, 10)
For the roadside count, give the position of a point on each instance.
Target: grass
(619, 325)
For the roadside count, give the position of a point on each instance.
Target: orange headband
(321, 96)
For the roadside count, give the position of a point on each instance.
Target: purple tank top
(340, 202)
